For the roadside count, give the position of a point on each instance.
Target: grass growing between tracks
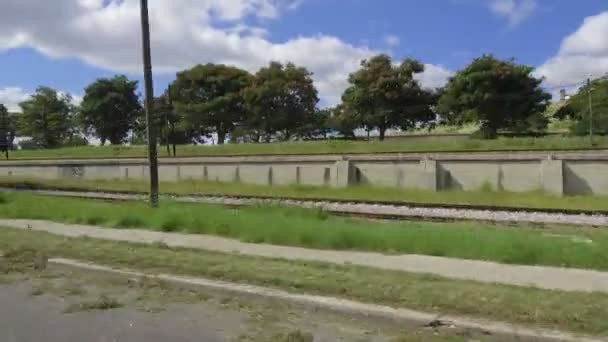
(415, 144)
(535, 200)
(557, 246)
(577, 312)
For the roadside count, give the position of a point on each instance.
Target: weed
(95, 220)
(102, 303)
(22, 260)
(130, 221)
(294, 336)
(172, 223)
(37, 291)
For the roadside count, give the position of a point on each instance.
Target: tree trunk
(172, 135)
(221, 137)
(382, 133)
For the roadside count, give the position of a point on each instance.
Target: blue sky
(67, 44)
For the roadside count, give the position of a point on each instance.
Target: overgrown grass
(555, 246)
(578, 312)
(535, 200)
(410, 144)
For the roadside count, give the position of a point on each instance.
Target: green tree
(498, 95)
(388, 96)
(579, 107)
(210, 97)
(317, 126)
(7, 130)
(47, 117)
(110, 109)
(170, 124)
(345, 121)
(282, 99)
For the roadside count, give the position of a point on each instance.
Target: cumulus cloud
(515, 11)
(434, 76)
(11, 97)
(105, 33)
(582, 54)
(184, 33)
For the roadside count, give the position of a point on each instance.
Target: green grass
(572, 311)
(411, 144)
(554, 246)
(535, 200)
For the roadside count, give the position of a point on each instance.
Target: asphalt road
(23, 318)
(60, 304)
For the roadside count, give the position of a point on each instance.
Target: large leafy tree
(170, 123)
(210, 97)
(47, 117)
(590, 98)
(7, 129)
(388, 96)
(496, 94)
(281, 99)
(318, 126)
(344, 120)
(110, 109)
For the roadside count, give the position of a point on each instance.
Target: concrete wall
(557, 173)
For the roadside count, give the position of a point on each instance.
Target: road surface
(59, 305)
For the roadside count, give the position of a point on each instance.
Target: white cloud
(582, 54)
(434, 76)
(11, 97)
(392, 41)
(184, 32)
(515, 11)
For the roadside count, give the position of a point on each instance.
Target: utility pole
(149, 104)
(590, 110)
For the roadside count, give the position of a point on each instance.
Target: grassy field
(554, 246)
(577, 312)
(537, 200)
(411, 144)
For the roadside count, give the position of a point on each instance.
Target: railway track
(374, 210)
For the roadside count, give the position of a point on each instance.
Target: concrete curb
(342, 305)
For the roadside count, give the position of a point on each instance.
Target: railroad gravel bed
(366, 209)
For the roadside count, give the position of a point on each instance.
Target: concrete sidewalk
(534, 276)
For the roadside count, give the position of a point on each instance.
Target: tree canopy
(170, 124)
(7, 129)
(496, 94)
(344, 120)
(210, 97)
(387, 96)
(578, 108)
(110, 109)
(281, 99)
(47, 117)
